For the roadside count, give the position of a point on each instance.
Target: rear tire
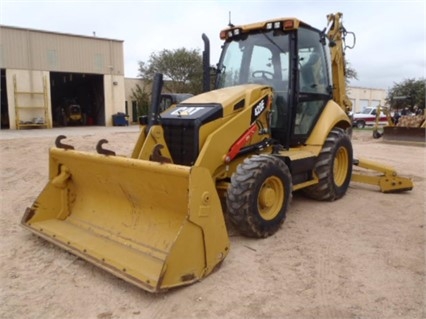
(333, 168)
(259, 195)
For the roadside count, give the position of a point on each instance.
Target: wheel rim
(271, 198)
(340, 166)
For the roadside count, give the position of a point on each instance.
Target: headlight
(273, 25)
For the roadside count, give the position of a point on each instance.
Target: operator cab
(292, 58)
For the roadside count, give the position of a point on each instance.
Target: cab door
(312, 82)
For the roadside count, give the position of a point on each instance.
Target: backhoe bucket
(155, 225)
(404, 134)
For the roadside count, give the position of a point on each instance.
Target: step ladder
(31, 107)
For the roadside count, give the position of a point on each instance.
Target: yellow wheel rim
(271, 198)
(340, 166)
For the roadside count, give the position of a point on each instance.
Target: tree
(182, 69)
(407, 93)
(141, 97)
(351, 73)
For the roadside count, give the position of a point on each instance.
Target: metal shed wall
(42, 50)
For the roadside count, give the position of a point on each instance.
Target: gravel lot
(359, 257)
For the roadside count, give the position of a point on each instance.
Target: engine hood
(231, 99)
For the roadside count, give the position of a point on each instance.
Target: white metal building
(364, 97)
(43, 73)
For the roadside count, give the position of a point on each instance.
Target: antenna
(230, 24)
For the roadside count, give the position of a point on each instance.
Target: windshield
(367, 110)
(261, 58)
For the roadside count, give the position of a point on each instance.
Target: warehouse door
(77, 99)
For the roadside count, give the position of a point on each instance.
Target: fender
(332, 116)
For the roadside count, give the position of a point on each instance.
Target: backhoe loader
(409, 129)
(275, 122)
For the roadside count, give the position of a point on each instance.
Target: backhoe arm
(336, 34)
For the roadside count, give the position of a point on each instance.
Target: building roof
(59, 33)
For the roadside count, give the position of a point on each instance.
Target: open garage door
(77, 99)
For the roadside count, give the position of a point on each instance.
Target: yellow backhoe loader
(409, 128)
(390, 121)
(275, 122)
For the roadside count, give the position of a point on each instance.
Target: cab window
(312, 66)
(314, 79)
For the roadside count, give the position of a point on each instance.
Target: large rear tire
(333, 167)
(259, 195)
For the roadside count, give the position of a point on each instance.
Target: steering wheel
(263, 74)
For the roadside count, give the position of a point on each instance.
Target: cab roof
(275, 24)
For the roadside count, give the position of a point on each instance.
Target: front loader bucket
(155, 225)
(404, 134)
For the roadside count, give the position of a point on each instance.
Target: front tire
(376, 134)
(360, 124)
(333, 167)
(259, 195)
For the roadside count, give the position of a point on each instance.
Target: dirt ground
(362, 256)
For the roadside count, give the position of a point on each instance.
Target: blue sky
(391, 35)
